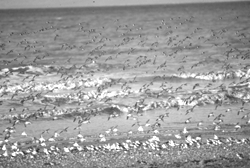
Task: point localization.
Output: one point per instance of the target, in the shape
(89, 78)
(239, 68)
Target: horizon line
(132, 5)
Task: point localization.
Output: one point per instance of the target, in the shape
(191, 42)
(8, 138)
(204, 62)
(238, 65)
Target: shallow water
(70, 61)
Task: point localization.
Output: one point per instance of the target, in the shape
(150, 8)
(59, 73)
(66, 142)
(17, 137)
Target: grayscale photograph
(125, 83)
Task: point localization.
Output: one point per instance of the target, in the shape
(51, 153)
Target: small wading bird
(188, 120)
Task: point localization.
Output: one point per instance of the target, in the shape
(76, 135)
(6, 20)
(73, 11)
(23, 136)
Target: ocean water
(101, 64)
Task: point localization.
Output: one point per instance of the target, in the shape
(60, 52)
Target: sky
(13, 4)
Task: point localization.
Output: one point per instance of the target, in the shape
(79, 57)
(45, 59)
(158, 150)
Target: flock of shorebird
(31, 88)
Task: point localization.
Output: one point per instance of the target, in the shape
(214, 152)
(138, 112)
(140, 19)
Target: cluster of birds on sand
(47, 147)
(80, 78)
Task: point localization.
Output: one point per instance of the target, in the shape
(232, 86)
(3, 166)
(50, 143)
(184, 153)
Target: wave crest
(220, 75)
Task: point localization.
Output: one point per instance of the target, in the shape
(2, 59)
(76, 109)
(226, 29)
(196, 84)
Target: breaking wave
(220, 75)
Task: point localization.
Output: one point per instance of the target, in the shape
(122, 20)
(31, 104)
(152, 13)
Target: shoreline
(136, 153)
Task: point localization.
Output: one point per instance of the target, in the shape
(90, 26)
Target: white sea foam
(220, 75)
